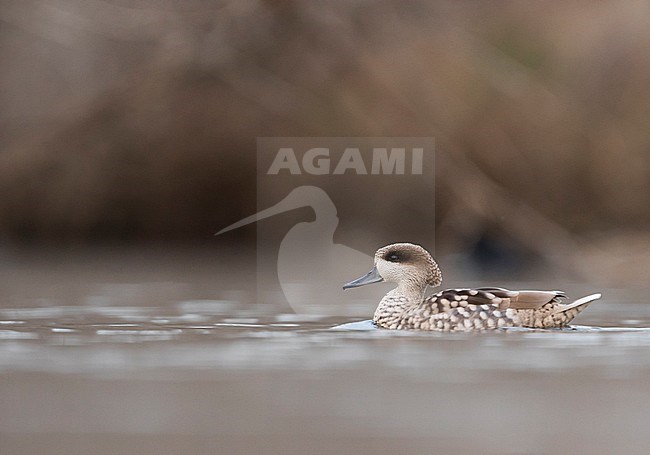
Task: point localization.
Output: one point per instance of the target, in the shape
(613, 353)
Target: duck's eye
(393, 257)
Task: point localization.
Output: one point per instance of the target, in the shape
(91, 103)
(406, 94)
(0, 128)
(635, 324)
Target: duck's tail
(563, 314)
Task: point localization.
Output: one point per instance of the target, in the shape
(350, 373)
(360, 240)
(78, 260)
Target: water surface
(194, 374)
(186, 378)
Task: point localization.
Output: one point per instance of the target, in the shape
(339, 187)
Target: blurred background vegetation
(135, 121)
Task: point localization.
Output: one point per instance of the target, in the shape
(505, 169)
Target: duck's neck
(406, 296)
(413, 291)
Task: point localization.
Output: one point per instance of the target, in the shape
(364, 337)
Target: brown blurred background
(135, 121)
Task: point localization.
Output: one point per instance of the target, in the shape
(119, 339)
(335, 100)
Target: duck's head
(405, 264)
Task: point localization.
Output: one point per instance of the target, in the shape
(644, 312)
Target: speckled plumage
(412, 268)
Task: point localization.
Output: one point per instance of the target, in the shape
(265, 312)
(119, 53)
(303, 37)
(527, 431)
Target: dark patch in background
(136, 122)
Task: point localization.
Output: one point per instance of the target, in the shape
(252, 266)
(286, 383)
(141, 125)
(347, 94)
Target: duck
(412, 269)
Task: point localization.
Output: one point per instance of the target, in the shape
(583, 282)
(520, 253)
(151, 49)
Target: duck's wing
(525, 299)
(500, 297)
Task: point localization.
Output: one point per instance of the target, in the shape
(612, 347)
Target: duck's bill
(369, 278)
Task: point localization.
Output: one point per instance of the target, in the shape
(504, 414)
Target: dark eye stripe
(393, 257)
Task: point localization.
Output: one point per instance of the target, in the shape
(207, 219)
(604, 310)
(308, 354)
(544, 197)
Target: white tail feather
(582, 301)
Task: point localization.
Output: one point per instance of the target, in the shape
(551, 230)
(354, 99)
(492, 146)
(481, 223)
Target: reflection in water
(209, 373)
